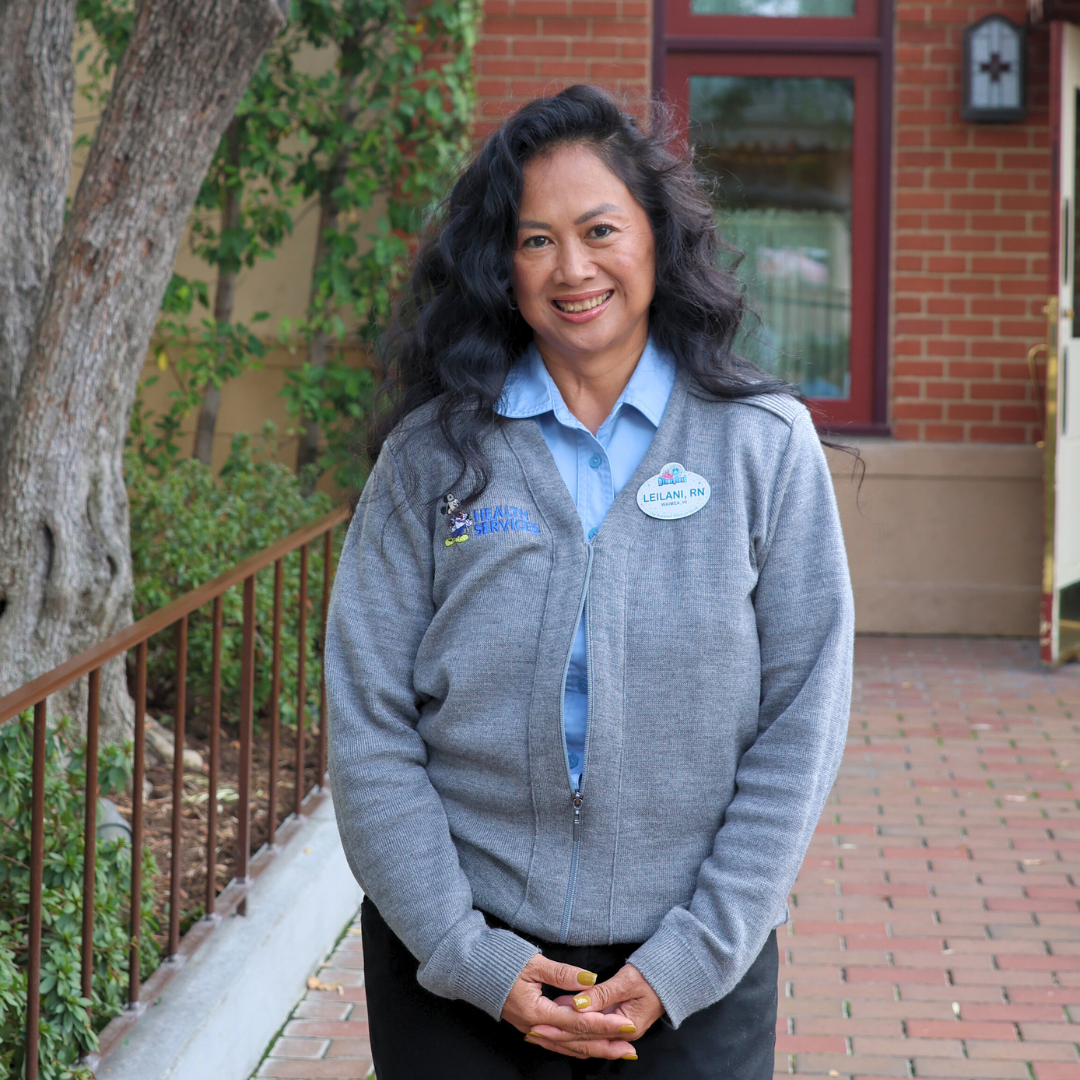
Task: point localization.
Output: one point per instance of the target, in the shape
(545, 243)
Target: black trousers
(416, 1035)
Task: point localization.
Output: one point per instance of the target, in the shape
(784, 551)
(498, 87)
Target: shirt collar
(530, 390)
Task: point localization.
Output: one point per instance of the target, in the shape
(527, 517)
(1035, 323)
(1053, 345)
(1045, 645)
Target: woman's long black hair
(457, 330)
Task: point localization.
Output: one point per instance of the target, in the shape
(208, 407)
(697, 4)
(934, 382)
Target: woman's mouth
(581, 307)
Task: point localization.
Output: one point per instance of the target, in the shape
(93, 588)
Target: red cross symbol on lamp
(995, 67)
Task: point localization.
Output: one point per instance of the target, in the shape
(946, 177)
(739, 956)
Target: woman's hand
(570, 1025)
(626, 995)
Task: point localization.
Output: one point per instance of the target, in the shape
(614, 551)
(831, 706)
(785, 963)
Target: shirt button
(573, 759)
(596, 461)
(592, 533)
(583, 686)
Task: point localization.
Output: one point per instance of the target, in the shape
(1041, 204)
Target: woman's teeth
(582, 305)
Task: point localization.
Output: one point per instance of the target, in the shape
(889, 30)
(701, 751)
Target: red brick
(1056, 1070)
(945, 432)
(970, 412)
(539, 47)
(913, 411)
(818, 1044)
(944, 390)
(540, 7)
(916, 368)
(960, 1029)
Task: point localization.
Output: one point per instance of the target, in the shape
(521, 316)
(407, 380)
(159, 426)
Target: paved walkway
(935, 926)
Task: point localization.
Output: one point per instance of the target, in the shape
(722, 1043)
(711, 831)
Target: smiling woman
(584, 276)
(588, 660)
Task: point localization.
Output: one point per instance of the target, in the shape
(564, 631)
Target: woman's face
(585, 264)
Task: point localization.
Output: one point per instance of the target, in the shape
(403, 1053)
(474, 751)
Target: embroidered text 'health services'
(493, 519)
(673, 493)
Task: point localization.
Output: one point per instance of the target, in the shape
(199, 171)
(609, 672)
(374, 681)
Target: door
(1060, 623)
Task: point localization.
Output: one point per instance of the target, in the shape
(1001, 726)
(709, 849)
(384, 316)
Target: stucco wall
(943, 538)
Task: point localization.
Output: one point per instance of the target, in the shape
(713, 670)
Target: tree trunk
(318, 346)
(307, 449)
(36, 88)
(65, 563)
(224, 298)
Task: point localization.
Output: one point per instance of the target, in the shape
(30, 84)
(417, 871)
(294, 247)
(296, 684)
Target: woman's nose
(574, 264)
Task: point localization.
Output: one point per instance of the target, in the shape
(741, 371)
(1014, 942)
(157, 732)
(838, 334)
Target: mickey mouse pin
(458, 521)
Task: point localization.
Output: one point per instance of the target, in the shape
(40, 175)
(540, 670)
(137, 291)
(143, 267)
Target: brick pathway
(327, 1034)
(935, 926)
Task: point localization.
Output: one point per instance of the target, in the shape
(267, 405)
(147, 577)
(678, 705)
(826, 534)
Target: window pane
(779, 151)
(779, 9)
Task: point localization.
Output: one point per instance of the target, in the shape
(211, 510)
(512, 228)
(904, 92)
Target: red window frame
(863, 24)
(858, 47)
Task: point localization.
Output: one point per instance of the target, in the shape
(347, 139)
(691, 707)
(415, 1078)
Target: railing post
(37, 869)
(328, 570)
(90, 832)
(301, 671)
(215, 743)
(247, 695)
(275, 706)
(175, 868)
(134, 977)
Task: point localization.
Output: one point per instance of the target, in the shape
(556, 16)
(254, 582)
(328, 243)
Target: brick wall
(970, 238)
(970, 200)
(532, 47)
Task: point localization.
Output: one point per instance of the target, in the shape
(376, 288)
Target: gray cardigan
(720, 657)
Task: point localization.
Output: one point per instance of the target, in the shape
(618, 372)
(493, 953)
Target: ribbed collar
(531, 391)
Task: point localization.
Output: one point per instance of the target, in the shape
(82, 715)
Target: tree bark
(224, 299)
(36, 88)
(65, 564)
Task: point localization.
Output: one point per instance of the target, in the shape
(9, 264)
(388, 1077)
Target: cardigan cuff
(669, 962)
(477, 964)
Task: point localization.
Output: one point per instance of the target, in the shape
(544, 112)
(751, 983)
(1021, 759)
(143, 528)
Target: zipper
(577, 797)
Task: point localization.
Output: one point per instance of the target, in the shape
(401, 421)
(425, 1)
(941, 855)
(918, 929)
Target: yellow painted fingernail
(586, 978)
(628, 1029)
(581, 1001)
(629, 1057)
(534, 1035)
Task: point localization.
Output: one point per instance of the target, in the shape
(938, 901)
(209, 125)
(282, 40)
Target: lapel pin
(457, 520)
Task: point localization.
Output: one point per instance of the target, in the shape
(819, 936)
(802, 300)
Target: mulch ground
(157, 815)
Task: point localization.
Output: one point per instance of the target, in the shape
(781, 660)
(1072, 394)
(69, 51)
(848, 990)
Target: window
(783, 101)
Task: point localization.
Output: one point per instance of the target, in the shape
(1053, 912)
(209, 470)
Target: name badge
(673, 493)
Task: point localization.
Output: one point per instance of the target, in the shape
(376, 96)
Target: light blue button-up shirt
(595, 468)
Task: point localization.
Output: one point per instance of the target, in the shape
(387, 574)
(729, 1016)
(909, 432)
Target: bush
(68, 1029)
(186, 528)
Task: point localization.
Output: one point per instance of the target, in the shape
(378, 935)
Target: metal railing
(35, 695)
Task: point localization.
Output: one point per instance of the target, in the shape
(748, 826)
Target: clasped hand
(591, 1022)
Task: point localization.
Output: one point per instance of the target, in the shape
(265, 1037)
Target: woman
(589, 652)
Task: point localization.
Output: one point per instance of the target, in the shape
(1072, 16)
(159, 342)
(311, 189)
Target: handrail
(29, 694)
(35, 695)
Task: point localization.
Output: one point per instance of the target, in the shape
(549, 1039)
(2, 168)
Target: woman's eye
(601, 232)
(535, 242)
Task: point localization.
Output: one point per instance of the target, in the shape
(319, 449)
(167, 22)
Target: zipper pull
(578, 800)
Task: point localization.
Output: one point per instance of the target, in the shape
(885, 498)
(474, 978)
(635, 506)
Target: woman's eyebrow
(603, 208)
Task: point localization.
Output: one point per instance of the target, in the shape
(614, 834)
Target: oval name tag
(673, 493)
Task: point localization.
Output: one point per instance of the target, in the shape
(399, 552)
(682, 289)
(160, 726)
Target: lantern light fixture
(995, 71)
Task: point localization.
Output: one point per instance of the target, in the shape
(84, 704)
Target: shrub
(68, 1030)
(186, 528)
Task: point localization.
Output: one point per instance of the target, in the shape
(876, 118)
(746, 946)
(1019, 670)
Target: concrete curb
(217, 1016)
